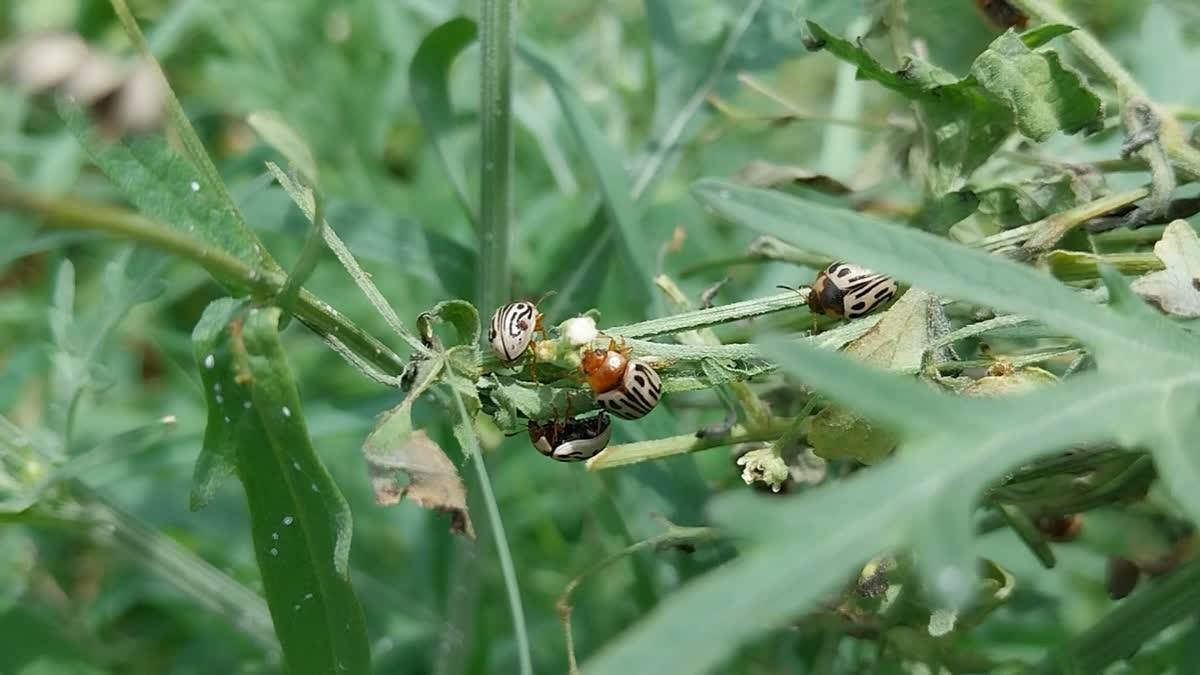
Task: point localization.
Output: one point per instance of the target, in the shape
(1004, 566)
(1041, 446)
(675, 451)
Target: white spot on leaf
(195, 186)
(287, 412)
(288, 520)
(210, 361)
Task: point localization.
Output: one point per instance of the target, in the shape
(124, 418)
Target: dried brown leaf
(434, 482)
(1174, 290)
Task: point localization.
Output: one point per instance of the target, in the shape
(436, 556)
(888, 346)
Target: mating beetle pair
(628, 388)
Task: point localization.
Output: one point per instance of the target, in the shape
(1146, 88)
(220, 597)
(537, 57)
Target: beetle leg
(533, 363)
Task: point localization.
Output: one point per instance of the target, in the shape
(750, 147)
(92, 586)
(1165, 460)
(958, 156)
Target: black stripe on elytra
(519, 313)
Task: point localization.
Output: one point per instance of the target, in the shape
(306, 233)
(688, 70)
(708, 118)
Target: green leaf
(606, 163)
(939, 215)
(299, 520)
(943, 267)
(169, 189)
(1043, 94)
(962, 123)
(429, 87)
(818, 537)
(895, 400)
(463, 316)
(223, 221)
(897, 342)
(210, 344)
(1016, 203)
(1036, 37)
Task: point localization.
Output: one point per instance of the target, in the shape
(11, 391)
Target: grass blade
(606, 163)
(578, 279)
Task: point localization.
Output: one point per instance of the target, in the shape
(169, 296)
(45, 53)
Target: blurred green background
(338, 71)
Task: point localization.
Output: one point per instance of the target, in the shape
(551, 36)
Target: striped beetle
(571, 440)
(627, 388)
(512, 328)
(843, 290)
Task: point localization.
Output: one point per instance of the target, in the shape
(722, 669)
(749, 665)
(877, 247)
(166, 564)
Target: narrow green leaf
(819, 536)
(1043, 94)
(300, 521)
(273, 129)
(167, 188)
(584, 261)
(614, 181)
(211, 347)
(579, 276)
(288, 142)
(869, 68)
(62, 309)
(943, 267)
(429, 87)
(1040, 35)
(224, 221)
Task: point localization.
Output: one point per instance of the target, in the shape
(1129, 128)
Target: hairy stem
(642, 451)
(79, 214)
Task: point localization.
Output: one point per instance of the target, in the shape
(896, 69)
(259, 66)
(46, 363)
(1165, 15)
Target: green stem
(795, 111)
(497, 34)
(305, 199)
(1082, 266)
(507, 569)
(78, 214)
(673, 537)
(643, 451)
(306, 262)
(710, 317)
(1048, 231)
